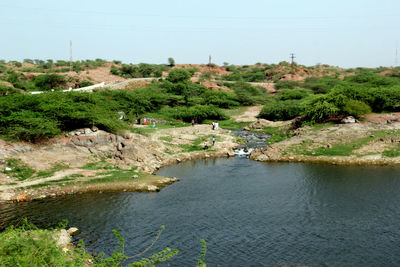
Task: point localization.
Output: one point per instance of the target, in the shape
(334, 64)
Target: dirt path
(57, 176)
(249, 114)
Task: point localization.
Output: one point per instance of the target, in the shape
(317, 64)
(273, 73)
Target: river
(249, 213)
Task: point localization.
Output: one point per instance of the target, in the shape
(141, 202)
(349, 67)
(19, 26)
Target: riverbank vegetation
(329, 98)
(331, 94)
(28, 245)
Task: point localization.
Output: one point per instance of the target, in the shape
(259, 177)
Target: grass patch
(52, 170)
(231, 124)
(166, 138)
(392, 153)
(277, 134)
(19, 170)
(115, 175)
(98, 165)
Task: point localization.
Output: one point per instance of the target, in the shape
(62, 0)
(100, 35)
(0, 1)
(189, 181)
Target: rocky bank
(146, 151)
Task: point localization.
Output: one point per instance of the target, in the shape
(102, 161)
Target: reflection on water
(249, 213)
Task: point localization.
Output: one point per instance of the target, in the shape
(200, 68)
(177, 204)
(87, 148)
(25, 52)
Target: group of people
(215, 125)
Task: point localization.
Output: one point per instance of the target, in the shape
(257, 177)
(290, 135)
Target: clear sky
(346, 33)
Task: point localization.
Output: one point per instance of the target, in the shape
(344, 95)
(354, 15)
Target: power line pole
(209, 60)
(70, 54)
(292, 64)
(396, 59)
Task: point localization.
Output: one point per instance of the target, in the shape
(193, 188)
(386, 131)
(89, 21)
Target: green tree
(171, 62)
(178, 75)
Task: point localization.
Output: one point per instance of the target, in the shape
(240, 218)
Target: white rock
(62, 238)
(73, 231)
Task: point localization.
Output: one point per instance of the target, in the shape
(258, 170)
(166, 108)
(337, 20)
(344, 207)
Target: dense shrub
(320, 110)
(282, 110)
(6, 90)
(293, 94)
(220, 99)
(356, 108)
(199, 113)
(178, 75)
(247, 94)
(49, 81)
(32, 117)
(321, 85)
(30, 126)
(285, 84)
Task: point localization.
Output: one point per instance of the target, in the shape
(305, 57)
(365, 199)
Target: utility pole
(396, 59)
(292, 64)
(70, 53)
(209, 60)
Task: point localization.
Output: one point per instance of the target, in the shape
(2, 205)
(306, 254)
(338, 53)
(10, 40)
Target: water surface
(249, 213)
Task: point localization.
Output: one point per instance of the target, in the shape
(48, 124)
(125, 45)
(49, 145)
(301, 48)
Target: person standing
(144, 121)
(213, 140)
(192, 122)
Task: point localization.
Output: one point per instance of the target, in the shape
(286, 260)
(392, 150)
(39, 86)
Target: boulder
(63, 239)
(348, 120)
(73, 231)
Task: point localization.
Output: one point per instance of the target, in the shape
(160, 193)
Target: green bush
(30, 126)
(321, 85)
(178, 75)
(282, 110)
(320, 110)
(6, 90)
(47, 82)
(356, 108)
(199, 113)
(293, 94)
(285, 84)
(220, 99)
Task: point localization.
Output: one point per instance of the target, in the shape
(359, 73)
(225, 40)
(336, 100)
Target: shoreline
(131, 151)
(333, 160)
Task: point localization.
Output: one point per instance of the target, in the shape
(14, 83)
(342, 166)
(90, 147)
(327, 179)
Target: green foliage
(118, 258)
(201, 260)
(277, 134)
(321, 85)
(178, 75)
(28, 245)
(171, 62)
(142, 70)
(49, 81)
(285, 84)
(220, 99)
(85, 83)
(199, 113)
(319, 110)
(193, 70)
(293, 94)
(356, 108)
(247, 94)
(6, 90)
(33, 117)
(282, 110)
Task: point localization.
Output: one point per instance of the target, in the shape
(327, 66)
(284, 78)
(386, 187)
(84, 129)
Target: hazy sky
(346, 33)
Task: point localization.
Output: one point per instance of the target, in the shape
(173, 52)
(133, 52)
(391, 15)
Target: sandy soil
(250, 114)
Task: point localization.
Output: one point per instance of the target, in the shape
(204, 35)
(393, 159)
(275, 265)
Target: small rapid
(252, 140)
